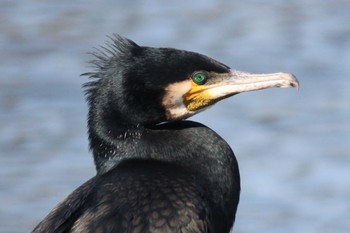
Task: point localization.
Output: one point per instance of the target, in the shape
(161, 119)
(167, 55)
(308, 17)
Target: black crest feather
(115, 48)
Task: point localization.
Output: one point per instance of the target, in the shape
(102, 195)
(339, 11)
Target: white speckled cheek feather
(173, 101)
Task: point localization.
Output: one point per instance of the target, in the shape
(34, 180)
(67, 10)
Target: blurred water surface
(293, 147)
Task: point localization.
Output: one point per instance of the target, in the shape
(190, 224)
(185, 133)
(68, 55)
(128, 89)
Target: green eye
(199, 78)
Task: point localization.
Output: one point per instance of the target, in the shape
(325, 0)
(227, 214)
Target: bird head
(145, 85)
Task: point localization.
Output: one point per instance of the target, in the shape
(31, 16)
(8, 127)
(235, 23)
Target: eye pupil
(199, 78)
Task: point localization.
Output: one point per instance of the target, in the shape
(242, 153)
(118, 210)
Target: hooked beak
(237, 82)
(223, 85)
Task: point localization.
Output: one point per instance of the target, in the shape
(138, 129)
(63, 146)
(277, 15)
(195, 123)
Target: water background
(293, 147)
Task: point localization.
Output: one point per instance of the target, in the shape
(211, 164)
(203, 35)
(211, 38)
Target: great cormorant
(157, 172)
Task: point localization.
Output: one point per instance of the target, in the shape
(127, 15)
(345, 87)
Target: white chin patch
(179, 113)
(173, 101)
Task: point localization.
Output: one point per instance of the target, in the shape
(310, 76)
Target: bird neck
(111, 139)
(184, 144)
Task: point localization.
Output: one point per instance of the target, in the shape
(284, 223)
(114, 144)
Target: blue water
(293, 147)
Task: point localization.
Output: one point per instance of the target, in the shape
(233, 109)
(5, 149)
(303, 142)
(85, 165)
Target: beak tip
(292, 80)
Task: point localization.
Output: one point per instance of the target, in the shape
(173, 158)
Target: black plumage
(155, 171)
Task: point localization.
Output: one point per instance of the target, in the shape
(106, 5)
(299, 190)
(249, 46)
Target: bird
(156, 171)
